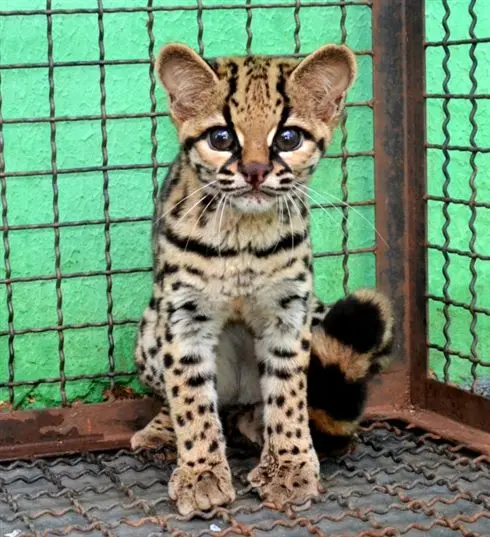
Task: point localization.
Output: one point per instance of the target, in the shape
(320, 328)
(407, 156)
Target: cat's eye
(288, 139)
(221, 139)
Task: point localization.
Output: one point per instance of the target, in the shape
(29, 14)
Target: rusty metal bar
(57, 431)
(399, 215)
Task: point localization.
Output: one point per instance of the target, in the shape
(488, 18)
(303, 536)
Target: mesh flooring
(398, 481)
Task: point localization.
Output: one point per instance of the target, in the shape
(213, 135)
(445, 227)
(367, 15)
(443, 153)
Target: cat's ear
(322, 79)
(188, 79)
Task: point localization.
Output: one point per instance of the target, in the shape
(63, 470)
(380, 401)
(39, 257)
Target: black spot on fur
(190, 359)
(180, 421)
(305, 344)
(194, 271)
(280, 400)
(188, 444)
(189, 306)
(168, 268)
(282, 374)
(202, 409)
(198, 380)
(201, 318)
(283, 353)
(355, 323)
(213, 446)
(168, 335)
(168, 360)
(175, 391)
(286, 301)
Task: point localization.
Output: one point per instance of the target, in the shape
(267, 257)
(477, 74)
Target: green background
(27, 149)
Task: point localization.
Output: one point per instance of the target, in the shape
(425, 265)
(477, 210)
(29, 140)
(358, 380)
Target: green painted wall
(25, 93)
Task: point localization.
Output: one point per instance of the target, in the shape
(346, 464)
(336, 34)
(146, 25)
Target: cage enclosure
(85, 140)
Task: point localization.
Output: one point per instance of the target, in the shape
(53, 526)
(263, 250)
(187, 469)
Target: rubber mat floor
(398, 481)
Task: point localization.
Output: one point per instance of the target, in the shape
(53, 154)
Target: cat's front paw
(202, 487)
(282, 480)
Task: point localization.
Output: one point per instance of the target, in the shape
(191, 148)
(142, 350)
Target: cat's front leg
(289, 469)
(192, 324)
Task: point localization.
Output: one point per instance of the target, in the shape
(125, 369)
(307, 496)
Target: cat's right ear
(188, 79)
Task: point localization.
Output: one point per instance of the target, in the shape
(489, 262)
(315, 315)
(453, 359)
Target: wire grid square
(458, 123)
(87, 138)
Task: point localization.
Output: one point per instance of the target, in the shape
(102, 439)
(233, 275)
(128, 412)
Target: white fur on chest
(238, 375)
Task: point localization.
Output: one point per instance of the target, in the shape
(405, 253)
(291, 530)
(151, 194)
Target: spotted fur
(230, 319)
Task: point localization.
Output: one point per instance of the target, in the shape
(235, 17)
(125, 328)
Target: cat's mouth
(253, 201)
(256, 193)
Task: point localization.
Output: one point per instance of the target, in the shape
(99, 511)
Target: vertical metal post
(398, 67)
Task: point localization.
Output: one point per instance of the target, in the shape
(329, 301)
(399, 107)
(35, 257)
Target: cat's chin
(253, 203)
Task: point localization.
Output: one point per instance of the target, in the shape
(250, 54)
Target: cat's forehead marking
(256, 94)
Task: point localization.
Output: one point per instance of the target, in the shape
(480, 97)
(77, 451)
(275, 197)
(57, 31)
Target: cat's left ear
(322, 79)
(190, 82)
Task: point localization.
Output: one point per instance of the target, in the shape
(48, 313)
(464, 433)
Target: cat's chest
(239, 277)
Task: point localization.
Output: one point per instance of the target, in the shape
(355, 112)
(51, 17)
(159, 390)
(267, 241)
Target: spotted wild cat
(231, 315)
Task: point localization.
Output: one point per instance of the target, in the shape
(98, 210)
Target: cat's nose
(255, 172)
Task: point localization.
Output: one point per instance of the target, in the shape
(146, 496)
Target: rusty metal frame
(405, 392)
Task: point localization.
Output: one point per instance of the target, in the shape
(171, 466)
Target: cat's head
(255, 127)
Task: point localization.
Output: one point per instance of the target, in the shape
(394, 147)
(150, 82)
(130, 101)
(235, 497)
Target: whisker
(195, 205)
(198, 219)
(185, 199)
(291, 225)
(290, 197)
(356, 211)
(225, 198)
(310, 197)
